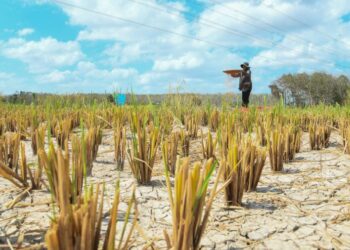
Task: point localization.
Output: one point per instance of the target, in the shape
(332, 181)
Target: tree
(303, 89)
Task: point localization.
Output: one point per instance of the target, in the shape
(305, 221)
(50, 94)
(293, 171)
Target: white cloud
(99, 27)
(152, 59)
(53, 77)
(43, 55)
(5, 76)
(187, 61)
(25, 32)
(87, 77)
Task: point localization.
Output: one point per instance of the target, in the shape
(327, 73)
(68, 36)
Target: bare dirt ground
(307, 206)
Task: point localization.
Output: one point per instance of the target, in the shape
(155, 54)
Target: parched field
(304, 206)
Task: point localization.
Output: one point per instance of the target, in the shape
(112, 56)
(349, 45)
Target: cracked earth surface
(307, 206)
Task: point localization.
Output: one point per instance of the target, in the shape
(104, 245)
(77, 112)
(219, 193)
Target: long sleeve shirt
(245, 80)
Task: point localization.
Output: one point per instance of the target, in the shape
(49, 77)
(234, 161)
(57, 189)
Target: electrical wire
(156, 28)
(223, 28)
(293, 37)
(301, 22)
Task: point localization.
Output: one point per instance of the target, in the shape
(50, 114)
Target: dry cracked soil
(306, 206)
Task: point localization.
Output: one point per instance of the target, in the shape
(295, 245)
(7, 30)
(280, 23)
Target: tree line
(311, 89)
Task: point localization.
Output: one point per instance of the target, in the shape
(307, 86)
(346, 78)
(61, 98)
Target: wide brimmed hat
(246, 65)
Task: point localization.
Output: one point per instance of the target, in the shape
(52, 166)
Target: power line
(140, 24)
(143, 24)
(148, 26)
(222, 27)
(301, 22)
(330, 50)
(207, 22)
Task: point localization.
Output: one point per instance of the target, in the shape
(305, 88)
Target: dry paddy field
(306, 206)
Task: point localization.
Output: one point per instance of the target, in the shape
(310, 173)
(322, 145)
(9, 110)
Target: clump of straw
(62, 131)
(189, 203)
(24, 175)
(233, 175)
(214, 120)
(9, 150)
(120, 146)
(320, 134)
(292, 143)
(169, 151)
(184, 143)
(191, 125)
(38, 138)
(208, 146)
(143, 154)
(276, 146)
(253, 161)
(79, 226)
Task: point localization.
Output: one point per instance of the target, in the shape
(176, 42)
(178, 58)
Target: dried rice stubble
(78, 226)
(233, 174)
(253, 163)
(38, 138)
(145, 142)
(170, 151)
(190, 204)
(319, 133)
(10, 149)
(208, 146)
(276, 145)
(185, 141)
(120, 146)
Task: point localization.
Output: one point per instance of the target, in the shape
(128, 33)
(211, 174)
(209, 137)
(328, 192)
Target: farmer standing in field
(245, 83)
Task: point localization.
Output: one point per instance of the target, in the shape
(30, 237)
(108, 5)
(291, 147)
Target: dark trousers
(245, 98)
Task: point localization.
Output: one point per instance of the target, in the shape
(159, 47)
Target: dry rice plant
(79, 166)
(166, 120)
(214, 120)
(62, 131)
(9, 150)
(320, 134)
(292, 143)
(35, 178)
(234, 175)
(92, 141)
(226, 134)
(191, 125)
(208, 146)
(346, 140)
(18, 179)
(276, 145)
(79, 226)
(189, 207)
(169, 151)
(2, 127)
(204, 118)
(21, 180)
(261, 131)
(120, 146)
(253, 162)
(143, 154)
(38, 138)
(184, 143)
(345, 131)
(56, 166)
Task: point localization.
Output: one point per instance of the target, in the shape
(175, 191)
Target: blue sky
(47, 46)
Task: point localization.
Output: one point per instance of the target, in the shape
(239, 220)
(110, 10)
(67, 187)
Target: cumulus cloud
(25, 32)
(187, 61)
(43, 55)
(87, 76)
(153, 59)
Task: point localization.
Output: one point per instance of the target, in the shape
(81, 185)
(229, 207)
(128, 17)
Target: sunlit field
(176, 175)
